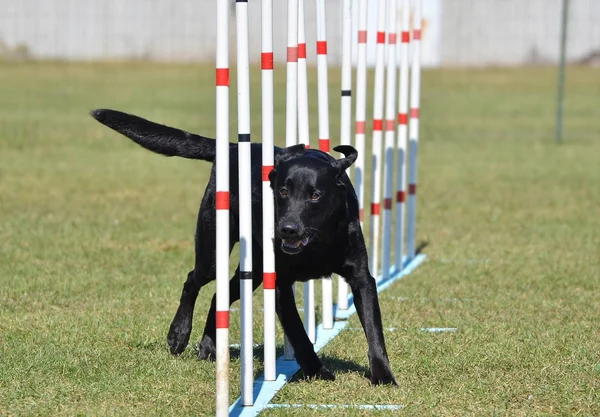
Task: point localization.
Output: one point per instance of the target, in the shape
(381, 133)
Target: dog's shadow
(334, 364)
(337, 366)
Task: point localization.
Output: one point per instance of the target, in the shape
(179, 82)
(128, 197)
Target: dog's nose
(288, 229)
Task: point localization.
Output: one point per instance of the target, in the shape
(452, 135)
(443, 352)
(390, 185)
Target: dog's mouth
(293, 246)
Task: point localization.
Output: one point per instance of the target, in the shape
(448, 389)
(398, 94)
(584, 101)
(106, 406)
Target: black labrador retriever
(317, 233)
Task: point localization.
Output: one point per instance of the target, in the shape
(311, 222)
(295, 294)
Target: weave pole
(403, 47)
(268, 214)
(414, 131)
(222, 209)
(323, 105)
(390, 131)
(245, 195)
(304, 137)
(377, 134)
(361, 108)
(346, 111)
(291, 106)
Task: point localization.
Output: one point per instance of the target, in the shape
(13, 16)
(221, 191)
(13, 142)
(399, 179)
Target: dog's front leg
(292, 326)
(364, 289)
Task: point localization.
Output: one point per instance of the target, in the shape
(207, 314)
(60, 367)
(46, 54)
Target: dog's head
(309, 191)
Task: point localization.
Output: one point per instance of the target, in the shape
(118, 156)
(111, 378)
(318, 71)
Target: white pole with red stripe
(245, 195)
(390, 130)
(267, 193)
(323, 105)
(304, 137)
(346, 111)
(361, 107)
(404, 36)
(377, 136)
(291, 106)
(222, 209)
(415, 90)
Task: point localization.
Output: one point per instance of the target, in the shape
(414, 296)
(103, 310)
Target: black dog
(317, 233)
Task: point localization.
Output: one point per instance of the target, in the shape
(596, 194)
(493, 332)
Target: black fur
(317, 233)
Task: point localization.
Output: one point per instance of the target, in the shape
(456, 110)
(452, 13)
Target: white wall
(457, 32)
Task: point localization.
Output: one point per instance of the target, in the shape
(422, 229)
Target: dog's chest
(291, 270)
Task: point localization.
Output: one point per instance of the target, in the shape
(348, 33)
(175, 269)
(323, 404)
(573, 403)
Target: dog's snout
(289, 228)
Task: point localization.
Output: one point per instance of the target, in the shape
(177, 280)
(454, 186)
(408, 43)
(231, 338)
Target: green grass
(96, 240)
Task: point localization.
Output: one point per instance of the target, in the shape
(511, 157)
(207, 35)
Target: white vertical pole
(291, 107)
(222, 209)
(390, 130)
(377, 134)
(346, 111)
(245, 195)
(404, 37)
(268, 202)
(414, 130)
(323, 102)
(361, 107)
(304, 137)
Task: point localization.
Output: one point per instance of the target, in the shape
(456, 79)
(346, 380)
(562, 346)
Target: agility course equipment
(403, 51)
(222, 208)
(304, 137)
(345, 112)
(245, 195)
(256, 395)
(268, 202)
(378, 93)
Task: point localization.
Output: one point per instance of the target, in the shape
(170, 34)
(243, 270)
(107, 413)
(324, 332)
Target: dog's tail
(158, 138)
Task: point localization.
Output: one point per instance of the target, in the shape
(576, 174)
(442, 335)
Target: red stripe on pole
(266, 59)
(405, 36)
(380, 37)
(387, 203)
(266, 170)
(292, 54)
(301, 51)
(400, 196)
(416, 34)
(403, 118)
(375, 209)
(222, 319)
(389, 125)
(361, 214)
(360, 128)
(414, 113)
(377, 124)
(362, 36)
(412, 189)
(392, 38)
(222, 77)
(324, 145)
(269, 280)
(321, 47)
(222, 200)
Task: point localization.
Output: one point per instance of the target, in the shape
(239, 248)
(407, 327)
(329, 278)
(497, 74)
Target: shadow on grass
(337, 366)
(421, 246)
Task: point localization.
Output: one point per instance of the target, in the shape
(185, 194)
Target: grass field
(96, 238)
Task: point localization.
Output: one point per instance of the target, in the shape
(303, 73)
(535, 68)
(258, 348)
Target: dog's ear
(344, 163)
(288, 153)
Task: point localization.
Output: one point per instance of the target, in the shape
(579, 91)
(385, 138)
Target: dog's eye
(315, 196)
(283, 192)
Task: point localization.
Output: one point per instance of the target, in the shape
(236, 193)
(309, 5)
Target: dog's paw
(207, 350)
(324, 374)
(382, 375)
(179, 336)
